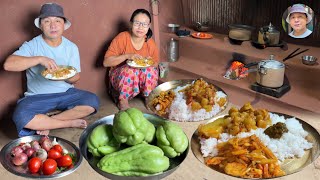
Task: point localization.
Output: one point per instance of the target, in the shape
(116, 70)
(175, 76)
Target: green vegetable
(139, 160)
(101, 141)
(131, 127)
(171, 139)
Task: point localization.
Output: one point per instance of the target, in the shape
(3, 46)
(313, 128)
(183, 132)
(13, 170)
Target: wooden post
(156, 29)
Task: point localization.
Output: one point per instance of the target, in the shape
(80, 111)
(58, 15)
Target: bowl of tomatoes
(40, 156)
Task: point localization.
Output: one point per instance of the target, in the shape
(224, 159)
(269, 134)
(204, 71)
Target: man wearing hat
(47, 51)
(298, 18)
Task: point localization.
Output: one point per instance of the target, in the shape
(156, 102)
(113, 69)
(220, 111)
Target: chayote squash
(171, 139)
(101, 141)
(131, 127)
(139, 160)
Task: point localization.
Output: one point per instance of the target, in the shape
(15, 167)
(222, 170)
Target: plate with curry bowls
(201, 35)
(23, 170)
(187, 100)
(93, 161)
(284, 147)
(63, 73)
(140, 63)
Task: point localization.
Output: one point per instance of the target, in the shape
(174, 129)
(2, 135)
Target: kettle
(173, 50)
(202, 27)
(268, 35)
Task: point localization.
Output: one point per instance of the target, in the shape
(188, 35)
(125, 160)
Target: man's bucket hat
(298, 8)
(51, 9)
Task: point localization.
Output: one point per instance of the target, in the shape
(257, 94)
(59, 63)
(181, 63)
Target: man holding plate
(47, 51)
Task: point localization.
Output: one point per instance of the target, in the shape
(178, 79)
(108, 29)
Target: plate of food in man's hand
(61, 74)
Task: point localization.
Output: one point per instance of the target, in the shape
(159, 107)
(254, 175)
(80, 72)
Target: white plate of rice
(296, 149)
(63, 73)
(179, 110)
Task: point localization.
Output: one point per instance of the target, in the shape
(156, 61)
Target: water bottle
(173, 50)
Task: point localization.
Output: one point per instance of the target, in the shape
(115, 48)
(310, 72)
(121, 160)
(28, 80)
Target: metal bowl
(309, 60)
(155, 120)
(6, 159)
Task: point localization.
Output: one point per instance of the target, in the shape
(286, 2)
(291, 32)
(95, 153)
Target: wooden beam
(156, 29)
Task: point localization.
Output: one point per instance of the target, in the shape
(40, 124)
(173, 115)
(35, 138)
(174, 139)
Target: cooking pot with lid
(270, 73)
(268, 35)
(202, 27)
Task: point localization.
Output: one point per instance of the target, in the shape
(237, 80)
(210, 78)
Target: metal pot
(240, 32)
(173, 27)
(202, 27)
(270, 73)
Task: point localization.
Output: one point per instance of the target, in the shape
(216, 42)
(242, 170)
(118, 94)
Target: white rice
(291, 144)
(66, 76)
(208, 146)
(180, 111)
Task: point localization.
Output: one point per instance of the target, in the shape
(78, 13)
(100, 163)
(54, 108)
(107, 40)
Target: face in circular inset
(299, 21)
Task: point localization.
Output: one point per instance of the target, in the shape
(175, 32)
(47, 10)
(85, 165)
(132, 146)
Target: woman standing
(133, 44)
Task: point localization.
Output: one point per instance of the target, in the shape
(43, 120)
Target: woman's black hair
(143, 11)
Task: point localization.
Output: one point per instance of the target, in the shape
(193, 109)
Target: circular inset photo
(297, 21)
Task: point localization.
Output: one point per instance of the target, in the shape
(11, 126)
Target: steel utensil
(290, 165)
(171, 85)
(155, 120)
(291, 55)
(6, 158)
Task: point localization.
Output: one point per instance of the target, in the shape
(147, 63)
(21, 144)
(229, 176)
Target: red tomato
(58, 148)
(54, 154)
(71, 166)
(64, 161)
(34, 164)
(49, 166)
